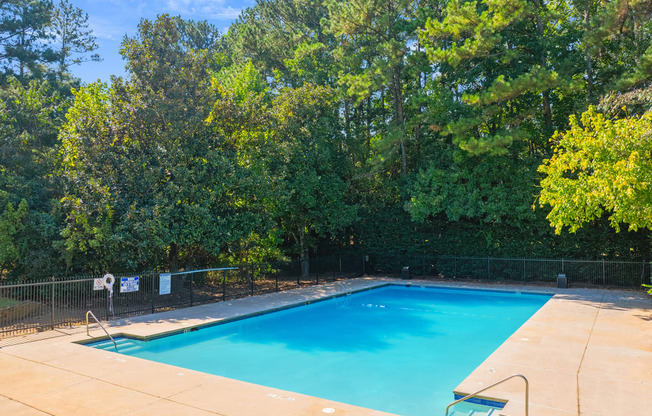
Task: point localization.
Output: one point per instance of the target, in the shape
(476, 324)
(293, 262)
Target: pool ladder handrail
(101, 326)
(344, 287)
(527, 392)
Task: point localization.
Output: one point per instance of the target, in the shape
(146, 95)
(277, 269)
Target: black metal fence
(579, 273)
(37, 305)
(53, 303)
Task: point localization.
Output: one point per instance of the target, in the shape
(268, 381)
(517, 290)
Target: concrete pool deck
(585, 352)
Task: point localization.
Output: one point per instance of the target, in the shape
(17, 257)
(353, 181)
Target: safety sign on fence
(128, 284)
(98, 284)
(165, 284)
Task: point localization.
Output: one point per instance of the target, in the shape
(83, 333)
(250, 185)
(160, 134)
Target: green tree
(72, 36)
(30, 117)
(24, 37)
(241, 112)
(374, 43)
(491, 189)
(311, 188)
(158, 182)
(285, 41)
(600, 166)
(503, 60)
(290, 143)
(11, 223)
(507, 76)
(617, 39)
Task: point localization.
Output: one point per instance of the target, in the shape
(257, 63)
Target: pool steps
(473, 396)
(473, 409)
(90, 313)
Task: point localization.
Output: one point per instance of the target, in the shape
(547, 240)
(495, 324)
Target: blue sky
(111, 20)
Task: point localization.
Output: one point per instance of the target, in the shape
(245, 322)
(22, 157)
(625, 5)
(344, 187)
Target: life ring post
(108, 281)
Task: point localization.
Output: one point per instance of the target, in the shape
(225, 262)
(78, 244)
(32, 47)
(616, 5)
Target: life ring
(108, 280)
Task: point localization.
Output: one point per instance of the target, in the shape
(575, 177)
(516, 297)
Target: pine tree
(24, 37)
(73, 37)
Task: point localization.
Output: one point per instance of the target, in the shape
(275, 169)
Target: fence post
(224, 284)
(317, 268)
(488, 271)
(604, 274)
(251, 279)
(524, 270)
(108, 301)
(153, 289)
(52, 300)
(192, 281)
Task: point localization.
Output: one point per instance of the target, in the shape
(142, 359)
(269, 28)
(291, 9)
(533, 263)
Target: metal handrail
(101, 326)
(527, 392)
(344, 287)
(203, 270)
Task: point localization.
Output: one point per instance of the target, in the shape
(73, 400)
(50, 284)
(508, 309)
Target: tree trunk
(589, 62)
(417, 139)
(383, 117)
(547, 111)
(400, 120)
(417, 129)
(368, 121)
(62, 58)
(347, 120)
(21, 63)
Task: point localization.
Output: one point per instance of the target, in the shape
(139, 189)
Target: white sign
(165, 284)
(98, 284)
(128, 284)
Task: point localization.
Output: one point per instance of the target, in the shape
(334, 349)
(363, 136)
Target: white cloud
(106, 29)
(227, 13)
(203, 9)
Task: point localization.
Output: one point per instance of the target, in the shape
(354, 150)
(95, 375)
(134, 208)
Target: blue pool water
(397, 349)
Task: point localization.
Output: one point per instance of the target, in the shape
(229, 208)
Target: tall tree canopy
(329, 125)
(30, 118)
(158, 183)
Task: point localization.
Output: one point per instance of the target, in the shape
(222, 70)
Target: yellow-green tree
(600, 166)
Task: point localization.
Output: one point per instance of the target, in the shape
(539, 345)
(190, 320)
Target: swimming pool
(397, 349)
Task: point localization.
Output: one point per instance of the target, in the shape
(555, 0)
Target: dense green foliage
(600, 165)
(442, 127)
